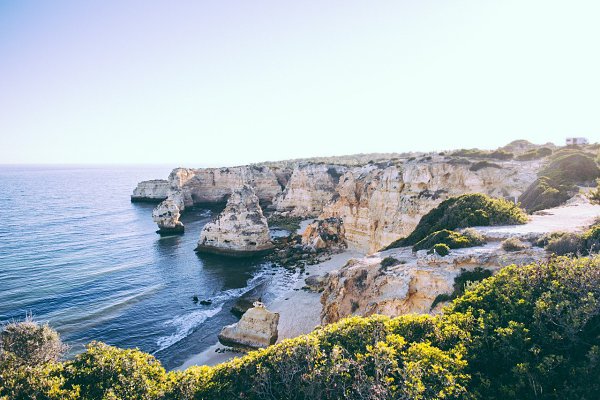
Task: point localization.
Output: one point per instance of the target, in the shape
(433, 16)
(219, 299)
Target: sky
(206, 83)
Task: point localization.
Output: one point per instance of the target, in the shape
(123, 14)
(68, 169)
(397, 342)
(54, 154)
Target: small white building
(576, 140)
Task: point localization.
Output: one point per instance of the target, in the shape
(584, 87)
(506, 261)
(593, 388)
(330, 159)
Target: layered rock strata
(154, 190)
(240, 230)
(257, 328)
(411, 283)
(309, 189)
(166, 216)
(382, 203)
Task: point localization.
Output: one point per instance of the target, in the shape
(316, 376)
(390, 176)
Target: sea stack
(240, 230)
(257, 328)
(166, 215)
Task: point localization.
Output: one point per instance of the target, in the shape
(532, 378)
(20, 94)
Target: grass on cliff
(559, 180)
(529, 332)
(452, 239)
(464, 211)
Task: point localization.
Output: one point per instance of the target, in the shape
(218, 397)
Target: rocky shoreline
(358, 209)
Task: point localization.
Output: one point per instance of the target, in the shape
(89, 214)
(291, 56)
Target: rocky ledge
(152, 191)
(396, 282)
(257, 328)
(240, 230)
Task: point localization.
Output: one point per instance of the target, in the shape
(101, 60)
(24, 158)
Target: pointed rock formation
(257, 328)
(240, 230)
(166, 215)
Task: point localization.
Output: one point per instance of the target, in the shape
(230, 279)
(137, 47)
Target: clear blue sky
(229, 82)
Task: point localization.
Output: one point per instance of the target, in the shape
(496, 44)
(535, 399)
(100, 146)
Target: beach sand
(299, 311)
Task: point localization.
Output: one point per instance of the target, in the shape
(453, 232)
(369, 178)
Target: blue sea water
(75, 252)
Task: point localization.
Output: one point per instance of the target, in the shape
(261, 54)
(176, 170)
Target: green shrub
(106, 372)
(594, 195)
(534, 154)
(454, 240)
(440, 249)
(536, 331)
(529, 332)
(31, 343)
(558, 181)
(476, 153)
(564, 243)
(464, 211)
(572, 244)
(483, 164)
(462, 280)
(513, 244)
(388, 262)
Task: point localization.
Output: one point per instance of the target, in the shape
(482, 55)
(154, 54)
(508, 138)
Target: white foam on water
(185, 324)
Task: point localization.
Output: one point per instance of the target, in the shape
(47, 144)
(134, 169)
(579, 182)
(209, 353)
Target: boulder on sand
(257, 328)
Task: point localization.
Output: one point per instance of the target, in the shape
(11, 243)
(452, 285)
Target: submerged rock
(166, 215)
(257, 328)
(240, 230)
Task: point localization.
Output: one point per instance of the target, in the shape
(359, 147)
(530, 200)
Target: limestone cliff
(151, 191)
(257, 328)
(382, 203)
(411, 283)
(240, 230)
(310, 187)
(214, 185)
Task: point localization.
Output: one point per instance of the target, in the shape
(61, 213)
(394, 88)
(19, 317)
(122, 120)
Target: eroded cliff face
(214, 185)
(382, 203)
(411, 283)
(309, 189)
(151, 191)
(241, 229)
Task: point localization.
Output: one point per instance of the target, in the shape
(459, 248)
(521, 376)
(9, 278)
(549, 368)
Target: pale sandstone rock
(214, 185)
(240, 230)
(382, 204)
(325, 233)
(309, 188)
(151, 191)
(166, 215)
(364, 287)
(257, 328)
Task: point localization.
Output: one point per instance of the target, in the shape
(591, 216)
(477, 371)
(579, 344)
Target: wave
(185, 324)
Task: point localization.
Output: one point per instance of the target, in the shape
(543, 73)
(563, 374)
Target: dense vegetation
(462, 281)
(571, 243)
(530, 332)
(558, 181)
(535, 154)
(464, 211)
(452, 239)
(476, 153)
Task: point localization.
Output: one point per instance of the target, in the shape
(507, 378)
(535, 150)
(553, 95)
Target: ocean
(76, 253)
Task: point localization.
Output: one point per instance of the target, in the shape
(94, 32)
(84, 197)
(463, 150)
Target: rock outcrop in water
(257, 328)
(166, 215)
(240, 230)
(151, 191)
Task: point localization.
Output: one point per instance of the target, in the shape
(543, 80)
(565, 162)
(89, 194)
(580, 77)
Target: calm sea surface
(74, 251)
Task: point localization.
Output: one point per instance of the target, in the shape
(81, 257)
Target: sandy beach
(299, 311)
